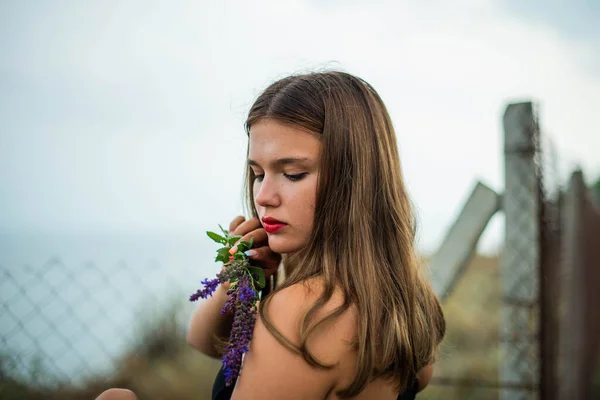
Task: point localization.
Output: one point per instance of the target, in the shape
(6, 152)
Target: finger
(259, 235)
(236, 222)
(247, 227)
(266, 258)
(267, 270)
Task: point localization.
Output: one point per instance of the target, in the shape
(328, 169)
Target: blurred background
(122, 142)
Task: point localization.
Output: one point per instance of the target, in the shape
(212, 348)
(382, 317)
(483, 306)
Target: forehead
(272, 139)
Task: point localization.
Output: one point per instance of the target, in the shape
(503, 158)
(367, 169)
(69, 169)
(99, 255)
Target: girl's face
(285, 161)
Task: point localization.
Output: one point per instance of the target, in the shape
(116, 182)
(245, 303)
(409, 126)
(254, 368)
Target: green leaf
(221, 258)
(223, 254)
(232, 239)
(251, 243)
(223, 251)
(239, 255)
(216, 238)
(226, 233)
(243, 246)
(233, 280)
(259, 275)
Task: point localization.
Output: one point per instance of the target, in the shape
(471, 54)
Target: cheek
(307, 204)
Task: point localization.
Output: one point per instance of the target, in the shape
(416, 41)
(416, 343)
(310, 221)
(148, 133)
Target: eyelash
(293, 178)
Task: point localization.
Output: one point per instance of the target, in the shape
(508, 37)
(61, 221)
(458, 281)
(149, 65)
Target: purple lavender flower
(245, 293)
(234, 269)
(229, 306)
(241, 302)
(232, 362)
(241, 331)
(209, 288)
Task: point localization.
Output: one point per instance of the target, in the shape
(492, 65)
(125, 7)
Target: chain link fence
(70, 332)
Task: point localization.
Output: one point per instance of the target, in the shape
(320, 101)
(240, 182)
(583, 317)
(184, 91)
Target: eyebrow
(282, 161)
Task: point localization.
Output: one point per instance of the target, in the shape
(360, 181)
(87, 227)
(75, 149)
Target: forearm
(207, 321)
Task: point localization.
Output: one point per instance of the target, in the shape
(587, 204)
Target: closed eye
(297, 177)
(293, 178)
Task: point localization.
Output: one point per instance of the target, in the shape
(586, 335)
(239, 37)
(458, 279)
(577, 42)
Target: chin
(284, 246)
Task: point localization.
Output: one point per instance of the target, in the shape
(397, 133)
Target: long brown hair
(364, 228)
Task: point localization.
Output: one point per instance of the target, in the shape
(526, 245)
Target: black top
(222, 392)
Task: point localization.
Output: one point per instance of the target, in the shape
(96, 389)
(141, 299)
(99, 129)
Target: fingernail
(250, 253)
(233, 250)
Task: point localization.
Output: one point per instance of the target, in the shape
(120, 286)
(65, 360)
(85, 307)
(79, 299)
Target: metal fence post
(520, 286)
(579, 333)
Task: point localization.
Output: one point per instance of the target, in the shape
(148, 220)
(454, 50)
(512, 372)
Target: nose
(266, 193)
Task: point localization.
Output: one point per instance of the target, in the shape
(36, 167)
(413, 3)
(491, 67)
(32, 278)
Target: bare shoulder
(287, 371)
(330, 340)
(305, 294)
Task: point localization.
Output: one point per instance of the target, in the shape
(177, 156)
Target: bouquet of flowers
(246, 280)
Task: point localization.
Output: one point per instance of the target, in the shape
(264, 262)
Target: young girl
(354, 316)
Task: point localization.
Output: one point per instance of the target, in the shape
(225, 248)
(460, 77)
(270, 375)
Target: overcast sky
(126, 116)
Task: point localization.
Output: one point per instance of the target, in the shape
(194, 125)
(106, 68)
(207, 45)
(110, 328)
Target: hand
(261, 253)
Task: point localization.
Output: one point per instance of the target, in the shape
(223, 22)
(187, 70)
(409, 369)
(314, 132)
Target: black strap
(220, 391)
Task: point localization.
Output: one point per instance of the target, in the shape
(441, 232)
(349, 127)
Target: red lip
(272, 225)
(271, 221)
